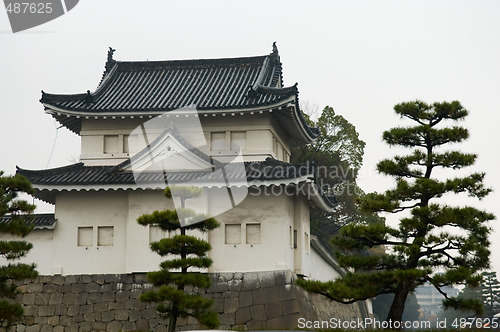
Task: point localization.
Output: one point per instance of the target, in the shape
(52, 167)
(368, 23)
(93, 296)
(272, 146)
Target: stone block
(85, 278)
(154, 322)
(56, 298)
(73, 310)
(58, 280)
(107, 316)
(46, 310)
(111, 278)
(243, 315)
(69, 299)
(77, 288)
(140, 278)
(122, 296)
(81, 298)
(98, 326)
(135, 315)
(231, 304)
(114, 326)
(42, 320)
(234, 285)
(28, 320)
(130, 303)
(45, 279)
(129, 326)
(290, 307)
(108, 296)
(46, 328)
(160, 328)
(94, 298)
(274, 323)
(86, 309)
(61, 309)
(89, 317)
(219, 287)
(58, 328)
(72, 328)
(238, 276)
(100, 279)
(116, 305)
(250, 281)
(65, 321)
(254, 325)
(31, 310)
(149, 313)
(71, 280)
(245, 298)
(33, 328)
(273, 310)
(34, 287)
(28, 298)
(64, 288)
(135, 293)
(108, 288)
(42, 299)
(291, 321)
(49, 288)
(227, 319)
(266, 279)
(53, 320)
(127, 278)
(258, 312)
(218, 305)
(92, 287)
(22, 289)
(142, 325)
(121, 314)
(85, 326)
(101, 307)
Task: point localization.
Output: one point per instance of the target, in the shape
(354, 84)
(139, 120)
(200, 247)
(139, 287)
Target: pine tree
(188, 252)
(436, 243)
(18, 224)
(490, 291)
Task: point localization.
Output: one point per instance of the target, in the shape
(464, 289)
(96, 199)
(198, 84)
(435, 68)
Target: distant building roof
(131, 88)
(40, 220)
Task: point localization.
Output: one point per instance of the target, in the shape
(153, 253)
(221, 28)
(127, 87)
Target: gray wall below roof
(248, 301)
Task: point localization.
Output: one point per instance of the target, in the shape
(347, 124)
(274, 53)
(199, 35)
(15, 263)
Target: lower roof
(39, 220)
(265, 173)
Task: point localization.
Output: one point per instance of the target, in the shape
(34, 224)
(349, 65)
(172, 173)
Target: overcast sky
(360, 57)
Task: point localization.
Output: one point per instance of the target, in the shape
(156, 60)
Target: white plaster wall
(321, 270)
(93, 209)
(41, 254)
(273, 253)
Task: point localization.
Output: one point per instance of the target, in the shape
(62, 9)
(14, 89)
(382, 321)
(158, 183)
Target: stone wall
(244, 301)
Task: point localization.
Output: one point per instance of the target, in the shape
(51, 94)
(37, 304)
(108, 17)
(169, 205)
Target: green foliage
(434, 242)
(337, 155)
(490, 293)
(175, 284)
(18, 225)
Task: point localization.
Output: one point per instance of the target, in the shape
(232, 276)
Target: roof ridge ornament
(110, 62)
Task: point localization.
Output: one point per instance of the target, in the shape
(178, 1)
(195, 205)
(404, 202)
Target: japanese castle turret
(226, 125)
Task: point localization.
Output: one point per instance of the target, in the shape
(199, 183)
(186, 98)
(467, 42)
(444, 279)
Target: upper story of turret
(241, 104)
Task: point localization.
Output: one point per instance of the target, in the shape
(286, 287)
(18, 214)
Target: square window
(253, 233)
(233, 233)
(218, 141)
(85, 236)
(110, 144)
(156, 233)
(130, 143)
(105, 235)
(238, 140)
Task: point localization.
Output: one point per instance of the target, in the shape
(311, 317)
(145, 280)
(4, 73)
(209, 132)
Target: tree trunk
(398, 304)
(173, 321)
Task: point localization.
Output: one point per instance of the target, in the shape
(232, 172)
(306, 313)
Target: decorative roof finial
(88, 98)
(275, 48)
(111, 62)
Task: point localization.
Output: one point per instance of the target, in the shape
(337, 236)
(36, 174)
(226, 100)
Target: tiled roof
(255, 173)
(40, 220)
(78, 174)
(153, 87)
(166, 85)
